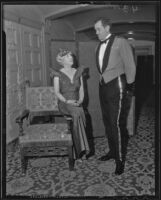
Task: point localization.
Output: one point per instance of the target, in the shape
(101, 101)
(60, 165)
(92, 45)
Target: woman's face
(68, 59)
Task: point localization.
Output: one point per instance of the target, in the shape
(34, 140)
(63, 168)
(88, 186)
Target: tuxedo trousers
(115, 105)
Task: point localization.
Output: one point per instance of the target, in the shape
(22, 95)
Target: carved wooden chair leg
(71, 158)
(69, 123)
(24, 162)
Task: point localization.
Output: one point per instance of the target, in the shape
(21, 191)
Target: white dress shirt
(102, 51)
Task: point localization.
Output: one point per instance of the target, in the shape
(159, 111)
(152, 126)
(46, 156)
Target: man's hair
(104, 21)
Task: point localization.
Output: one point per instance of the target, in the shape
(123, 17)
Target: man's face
(101, 31)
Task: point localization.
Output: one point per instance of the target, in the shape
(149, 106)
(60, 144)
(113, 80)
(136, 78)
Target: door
(144, 73)
(144, 81)
(32, 55)
(23, 62)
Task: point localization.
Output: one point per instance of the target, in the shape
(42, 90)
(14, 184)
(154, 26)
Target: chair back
(41, 99)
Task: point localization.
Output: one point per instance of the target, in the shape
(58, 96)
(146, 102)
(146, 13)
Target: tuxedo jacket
(119, 60)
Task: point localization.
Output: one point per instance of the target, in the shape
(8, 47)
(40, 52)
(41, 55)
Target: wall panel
(23, 61)
(32, 55)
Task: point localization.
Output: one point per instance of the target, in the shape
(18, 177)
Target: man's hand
(130, 87)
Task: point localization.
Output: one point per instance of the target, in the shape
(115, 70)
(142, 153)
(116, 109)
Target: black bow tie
(104, 41)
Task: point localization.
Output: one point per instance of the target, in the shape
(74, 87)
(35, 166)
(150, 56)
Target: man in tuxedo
(116, 66)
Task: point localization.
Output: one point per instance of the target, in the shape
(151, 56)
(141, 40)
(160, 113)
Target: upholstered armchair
(49, 139)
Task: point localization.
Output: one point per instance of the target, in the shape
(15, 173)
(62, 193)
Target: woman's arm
(81, 92)
(57, 90)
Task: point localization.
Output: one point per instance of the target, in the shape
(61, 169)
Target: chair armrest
(24, 115)
(60, 114)
(68, 119)
(69, 123)
(19, 120)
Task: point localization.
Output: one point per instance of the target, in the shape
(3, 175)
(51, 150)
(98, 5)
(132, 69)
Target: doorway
(144, 81)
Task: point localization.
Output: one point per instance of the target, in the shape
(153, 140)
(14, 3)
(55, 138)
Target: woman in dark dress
(68, 85)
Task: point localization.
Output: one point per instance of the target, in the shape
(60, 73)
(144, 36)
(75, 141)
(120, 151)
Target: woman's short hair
(61, 54)
(64, 52)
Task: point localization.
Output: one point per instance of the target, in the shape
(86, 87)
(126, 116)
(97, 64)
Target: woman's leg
(79, 134)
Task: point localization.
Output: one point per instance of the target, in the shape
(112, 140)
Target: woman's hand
(79, 102)
(73, 102)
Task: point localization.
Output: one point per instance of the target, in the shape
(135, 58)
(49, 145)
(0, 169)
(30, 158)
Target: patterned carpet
(50, 177)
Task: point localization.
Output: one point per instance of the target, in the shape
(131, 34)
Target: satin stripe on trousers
(115, 105)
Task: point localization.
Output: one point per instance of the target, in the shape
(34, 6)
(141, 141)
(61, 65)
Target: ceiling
(133, 22)
(137, 21)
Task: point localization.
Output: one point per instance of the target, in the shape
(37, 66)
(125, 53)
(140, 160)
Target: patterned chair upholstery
(40, 101)
(50, 139)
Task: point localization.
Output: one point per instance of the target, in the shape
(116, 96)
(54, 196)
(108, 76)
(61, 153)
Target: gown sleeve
(54, 73)
(80, 72)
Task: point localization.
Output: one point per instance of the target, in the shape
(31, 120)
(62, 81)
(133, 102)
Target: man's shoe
(119, 168)
(106, 157)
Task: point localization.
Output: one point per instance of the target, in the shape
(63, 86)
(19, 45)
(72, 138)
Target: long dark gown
(70, 90)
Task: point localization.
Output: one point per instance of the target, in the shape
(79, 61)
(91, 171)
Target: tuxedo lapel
(97, 58)
(107, 53)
